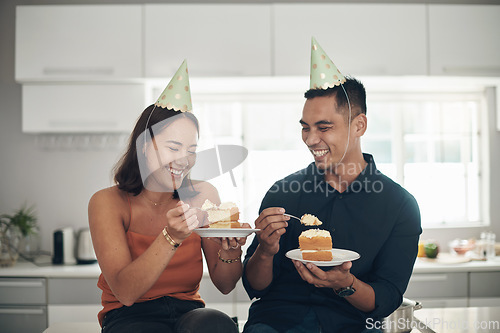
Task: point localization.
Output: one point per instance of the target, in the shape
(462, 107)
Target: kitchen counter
(460, 320)
(28, 269)
(452, 264)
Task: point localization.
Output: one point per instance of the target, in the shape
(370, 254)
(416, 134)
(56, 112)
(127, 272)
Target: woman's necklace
(153, 202)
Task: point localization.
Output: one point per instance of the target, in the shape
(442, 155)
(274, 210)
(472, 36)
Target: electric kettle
(84, 249)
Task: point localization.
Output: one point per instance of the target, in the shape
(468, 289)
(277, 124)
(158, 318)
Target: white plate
(339, 257)
(224, 232)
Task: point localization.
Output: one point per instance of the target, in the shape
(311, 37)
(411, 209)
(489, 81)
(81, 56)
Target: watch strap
(346, 291)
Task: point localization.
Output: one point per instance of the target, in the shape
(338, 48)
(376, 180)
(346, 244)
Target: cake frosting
(311, 233)
(309, 219)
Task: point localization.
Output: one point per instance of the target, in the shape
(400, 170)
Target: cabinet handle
(78, 71)
(82, 124)
(22, 284)
(22, 311)
(471, 70)
(429, 277)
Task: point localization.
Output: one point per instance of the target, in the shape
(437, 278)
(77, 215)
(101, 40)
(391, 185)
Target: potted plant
(13, 229)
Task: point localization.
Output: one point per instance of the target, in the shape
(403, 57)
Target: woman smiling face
(171, 154)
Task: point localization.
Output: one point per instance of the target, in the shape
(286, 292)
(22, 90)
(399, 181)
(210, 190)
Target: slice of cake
(226, 215)
(316, 245)
(309, 219)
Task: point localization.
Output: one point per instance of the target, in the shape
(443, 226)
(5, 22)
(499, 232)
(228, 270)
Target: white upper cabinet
(81, 108)
(464, 40)
(216, 39)
(78, 42)
(361, 39)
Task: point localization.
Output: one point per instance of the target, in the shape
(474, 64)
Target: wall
(60, 183)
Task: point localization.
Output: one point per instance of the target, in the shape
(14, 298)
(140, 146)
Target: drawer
(23, 291)
(437, 285)
(484, 284)
(23, 319)
(73, 291)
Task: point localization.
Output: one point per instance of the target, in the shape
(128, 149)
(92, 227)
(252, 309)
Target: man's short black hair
(355, 91)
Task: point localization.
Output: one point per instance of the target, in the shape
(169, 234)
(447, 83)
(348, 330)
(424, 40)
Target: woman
(150, 259)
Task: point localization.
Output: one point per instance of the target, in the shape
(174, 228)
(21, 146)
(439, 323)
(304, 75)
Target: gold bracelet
(228, 261)
(170, 240)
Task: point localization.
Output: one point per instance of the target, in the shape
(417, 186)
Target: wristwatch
(346, 291)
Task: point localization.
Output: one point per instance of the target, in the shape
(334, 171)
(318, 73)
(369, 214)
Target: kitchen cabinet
(455, 285)
(73, 300)
(437, 285)
(484, 289)
(463, 40)
(216, 39)
(361, 39)
(23, 306)
(85, 108)
(78, 42)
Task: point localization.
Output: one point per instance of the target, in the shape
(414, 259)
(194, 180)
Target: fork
(295, 217)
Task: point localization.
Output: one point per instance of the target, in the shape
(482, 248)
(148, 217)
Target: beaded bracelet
(228, 261)
(170, 240)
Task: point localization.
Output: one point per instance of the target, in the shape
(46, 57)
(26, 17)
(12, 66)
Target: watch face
(346, 292)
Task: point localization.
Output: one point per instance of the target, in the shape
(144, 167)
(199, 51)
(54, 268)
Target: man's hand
(272, 224)
(337, 277)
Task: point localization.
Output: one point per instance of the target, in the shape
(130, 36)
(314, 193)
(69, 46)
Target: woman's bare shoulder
(109, 196)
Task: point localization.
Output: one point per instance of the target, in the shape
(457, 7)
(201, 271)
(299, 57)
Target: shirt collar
(362, 182)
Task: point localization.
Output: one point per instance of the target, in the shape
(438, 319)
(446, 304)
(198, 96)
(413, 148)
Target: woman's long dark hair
(127, 172)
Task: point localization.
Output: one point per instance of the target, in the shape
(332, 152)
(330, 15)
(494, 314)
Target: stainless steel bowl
(401, 320)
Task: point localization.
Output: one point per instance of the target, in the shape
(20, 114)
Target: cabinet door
(23, 319)
(216, 39)
(437, 285)
(23, 291)
(78, 42)
(92, 108)
(361, 39)
(485, 284)
(464, 40)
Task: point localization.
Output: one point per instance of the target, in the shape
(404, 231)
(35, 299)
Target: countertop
(28, 269)
(450, 263)
(460, 320)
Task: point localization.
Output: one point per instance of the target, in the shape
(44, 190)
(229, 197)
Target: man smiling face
(326, 133)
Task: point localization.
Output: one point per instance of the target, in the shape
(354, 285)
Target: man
(364, 211)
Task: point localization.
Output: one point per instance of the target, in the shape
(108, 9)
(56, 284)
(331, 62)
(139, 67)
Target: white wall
(60, 183)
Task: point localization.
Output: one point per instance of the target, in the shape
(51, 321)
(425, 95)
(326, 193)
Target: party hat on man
(324, 73)
(177, 94)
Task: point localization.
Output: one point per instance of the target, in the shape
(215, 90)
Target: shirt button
(340, 196)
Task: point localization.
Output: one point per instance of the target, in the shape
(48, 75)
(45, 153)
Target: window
(429, 142)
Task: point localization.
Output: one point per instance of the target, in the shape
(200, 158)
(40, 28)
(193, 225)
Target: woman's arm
(224, 273)
(128, 279)
(223, 256)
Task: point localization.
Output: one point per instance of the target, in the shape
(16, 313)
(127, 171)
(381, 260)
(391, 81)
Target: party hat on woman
(177, 94)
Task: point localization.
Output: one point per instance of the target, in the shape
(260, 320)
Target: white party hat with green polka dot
(177, 94)
(324, 73)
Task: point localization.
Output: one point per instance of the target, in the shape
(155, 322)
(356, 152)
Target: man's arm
(339, 277)
(259, 268)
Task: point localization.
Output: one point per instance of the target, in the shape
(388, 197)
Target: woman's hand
(231, 243)
(181, 220)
